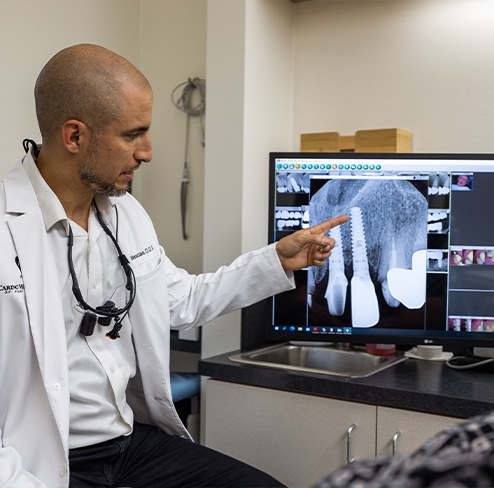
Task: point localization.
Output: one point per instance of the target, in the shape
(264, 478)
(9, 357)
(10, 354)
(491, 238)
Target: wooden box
(374, 140)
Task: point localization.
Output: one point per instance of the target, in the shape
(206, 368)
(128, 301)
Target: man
(88, 297)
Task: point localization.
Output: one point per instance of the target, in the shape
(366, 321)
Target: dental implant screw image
(365, 309)
(337, 282)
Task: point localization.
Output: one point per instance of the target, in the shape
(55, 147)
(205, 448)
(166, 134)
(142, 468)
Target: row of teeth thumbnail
(292, 218)
(469, 256)
(475, 324)
(437, 221)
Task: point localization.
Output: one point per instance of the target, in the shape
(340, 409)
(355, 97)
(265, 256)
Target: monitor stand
(429, 353)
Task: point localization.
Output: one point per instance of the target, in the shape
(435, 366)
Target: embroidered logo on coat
(16, 287)
(139, 254)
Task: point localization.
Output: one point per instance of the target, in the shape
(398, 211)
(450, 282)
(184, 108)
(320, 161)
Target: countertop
(425, 386)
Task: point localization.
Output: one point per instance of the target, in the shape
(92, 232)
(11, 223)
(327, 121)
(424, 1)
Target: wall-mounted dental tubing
(184, 104)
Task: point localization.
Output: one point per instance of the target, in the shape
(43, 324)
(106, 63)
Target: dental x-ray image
(437, 260)
(294, 182)
(438, 221)
(292, 218)
(377, 269)
(439, 184)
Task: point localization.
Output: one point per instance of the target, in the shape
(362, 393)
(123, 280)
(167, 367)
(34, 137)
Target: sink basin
(318, 359)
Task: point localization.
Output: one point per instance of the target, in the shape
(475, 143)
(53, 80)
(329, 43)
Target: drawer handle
(395, 442)
(349, 431)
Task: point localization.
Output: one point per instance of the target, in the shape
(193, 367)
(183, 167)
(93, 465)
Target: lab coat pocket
(144, 273)
(145, 270)
(152, 284)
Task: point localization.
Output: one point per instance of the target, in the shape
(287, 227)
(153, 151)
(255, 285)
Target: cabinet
(300, 438)
(405, 430)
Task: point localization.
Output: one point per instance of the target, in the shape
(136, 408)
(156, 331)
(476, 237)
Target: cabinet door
(410, 429)
(296, 438)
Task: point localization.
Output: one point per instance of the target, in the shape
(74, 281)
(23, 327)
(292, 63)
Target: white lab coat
(34, 393)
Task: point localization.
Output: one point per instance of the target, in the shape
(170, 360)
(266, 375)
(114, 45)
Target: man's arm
(308, 247)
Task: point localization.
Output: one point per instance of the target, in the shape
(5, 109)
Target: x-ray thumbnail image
(438, 221)
(379, 262)
(439, 184)
(292, 218)
(437, 260)
(293, 182)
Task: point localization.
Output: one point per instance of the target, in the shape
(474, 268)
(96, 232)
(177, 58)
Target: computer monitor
(414, 264)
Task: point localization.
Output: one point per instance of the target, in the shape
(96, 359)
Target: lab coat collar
(19, 193)
(51, 208)
(106, 205)
(38, 197)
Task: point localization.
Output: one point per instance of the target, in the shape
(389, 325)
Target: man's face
(111, 157)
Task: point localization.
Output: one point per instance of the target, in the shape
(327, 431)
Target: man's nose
(145, 150)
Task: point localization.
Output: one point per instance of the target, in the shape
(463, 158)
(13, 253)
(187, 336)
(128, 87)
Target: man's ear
(73, 133)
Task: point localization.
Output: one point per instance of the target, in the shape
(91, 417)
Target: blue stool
(185, 385)
(188, 386)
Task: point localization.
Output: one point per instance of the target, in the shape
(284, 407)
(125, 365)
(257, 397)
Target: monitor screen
(413, 265)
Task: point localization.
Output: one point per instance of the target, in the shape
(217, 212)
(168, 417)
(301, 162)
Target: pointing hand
(308, 247)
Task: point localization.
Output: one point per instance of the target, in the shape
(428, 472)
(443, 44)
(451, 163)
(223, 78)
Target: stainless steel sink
(318, 359)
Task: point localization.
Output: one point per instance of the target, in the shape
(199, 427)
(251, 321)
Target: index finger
(323, 227)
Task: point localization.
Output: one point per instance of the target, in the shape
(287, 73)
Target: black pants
(150, 458)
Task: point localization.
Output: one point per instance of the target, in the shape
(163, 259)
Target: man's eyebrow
(141, 128)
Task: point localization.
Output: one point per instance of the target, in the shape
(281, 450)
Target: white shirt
(99, 368)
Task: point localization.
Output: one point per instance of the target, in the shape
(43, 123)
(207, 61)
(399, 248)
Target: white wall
(268, 108)
(424, 66)
(31, 31)
(173, 49)
(223, 158)
(166, 40)
(249, 74)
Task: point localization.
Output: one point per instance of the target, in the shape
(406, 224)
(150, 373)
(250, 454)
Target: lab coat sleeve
(12, 475)
(197, 299)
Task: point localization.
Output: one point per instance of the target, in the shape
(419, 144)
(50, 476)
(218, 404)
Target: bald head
(83, 82)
